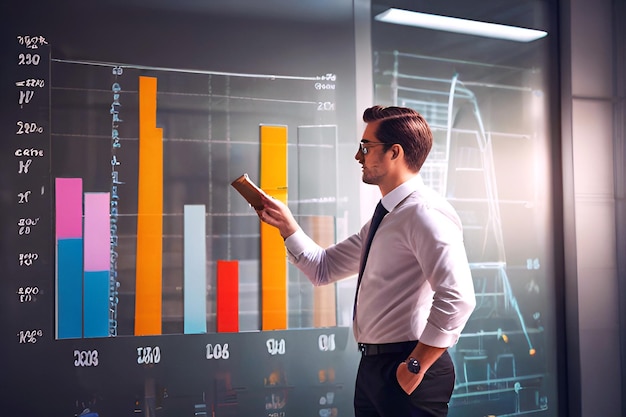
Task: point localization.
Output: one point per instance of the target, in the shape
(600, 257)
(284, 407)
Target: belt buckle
(368, 350)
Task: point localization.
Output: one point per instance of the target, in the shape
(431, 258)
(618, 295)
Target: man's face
(373, 162)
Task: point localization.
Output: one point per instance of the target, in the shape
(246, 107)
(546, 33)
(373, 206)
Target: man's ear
(395, 151)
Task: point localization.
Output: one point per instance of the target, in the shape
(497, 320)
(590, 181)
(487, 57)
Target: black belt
(368, 349)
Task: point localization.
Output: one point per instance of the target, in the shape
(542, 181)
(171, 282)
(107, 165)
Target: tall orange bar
(273, 256)
(149, 283)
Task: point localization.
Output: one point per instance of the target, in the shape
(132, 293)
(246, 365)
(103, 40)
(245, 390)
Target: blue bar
(96, 304)
(69, 288)
(194, 269)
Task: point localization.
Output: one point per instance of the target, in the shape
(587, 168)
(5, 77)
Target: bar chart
(139, 281)
(175, 250)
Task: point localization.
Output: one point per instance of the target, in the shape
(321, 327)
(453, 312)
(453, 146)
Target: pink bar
(97, 232)
(69, 208)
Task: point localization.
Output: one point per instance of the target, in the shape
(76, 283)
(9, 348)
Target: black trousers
(378, 394)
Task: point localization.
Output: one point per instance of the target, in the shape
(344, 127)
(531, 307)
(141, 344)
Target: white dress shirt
(417, 283)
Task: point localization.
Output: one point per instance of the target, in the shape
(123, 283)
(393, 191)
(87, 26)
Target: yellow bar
(149, 287)
(273, 256)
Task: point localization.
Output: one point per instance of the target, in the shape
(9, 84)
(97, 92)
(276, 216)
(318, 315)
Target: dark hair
(403, 126)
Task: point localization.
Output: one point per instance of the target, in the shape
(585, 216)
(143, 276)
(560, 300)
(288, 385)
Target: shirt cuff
(297, 243)
(433, 336)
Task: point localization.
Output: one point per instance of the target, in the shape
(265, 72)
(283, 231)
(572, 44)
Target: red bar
(227, 296)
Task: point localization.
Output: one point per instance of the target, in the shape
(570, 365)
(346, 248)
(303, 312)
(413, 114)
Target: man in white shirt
(415, 292)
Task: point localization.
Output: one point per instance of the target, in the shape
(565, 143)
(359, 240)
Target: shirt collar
(402, 191)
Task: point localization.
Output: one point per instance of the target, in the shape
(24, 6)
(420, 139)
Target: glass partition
(487, 100)
(140, 283)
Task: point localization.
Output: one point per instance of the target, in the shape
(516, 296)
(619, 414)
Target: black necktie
(379, 213)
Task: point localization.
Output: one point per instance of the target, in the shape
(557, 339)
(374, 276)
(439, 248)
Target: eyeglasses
(369, 144)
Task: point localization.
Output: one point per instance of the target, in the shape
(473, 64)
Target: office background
(529, 148)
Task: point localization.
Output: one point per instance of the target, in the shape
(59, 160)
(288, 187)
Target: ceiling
(529, 14)
(292, 10)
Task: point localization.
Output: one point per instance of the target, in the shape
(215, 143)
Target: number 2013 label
(85, 358)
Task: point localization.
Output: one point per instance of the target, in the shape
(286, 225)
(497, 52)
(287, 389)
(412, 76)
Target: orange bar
(273, 256)
(227, 296)
(149, 284)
